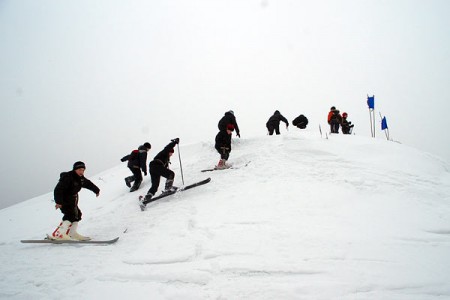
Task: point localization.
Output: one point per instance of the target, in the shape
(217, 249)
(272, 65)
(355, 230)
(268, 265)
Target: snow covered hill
(309, 218)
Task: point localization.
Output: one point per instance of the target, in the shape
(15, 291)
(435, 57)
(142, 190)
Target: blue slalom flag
(371, 102)
(384, 124)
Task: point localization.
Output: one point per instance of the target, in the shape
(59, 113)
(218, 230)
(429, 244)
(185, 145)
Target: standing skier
(334, 119)
(229, 118)
(66, 198)
(223, 146)
(274, 122)
(159, 166)
(137, 161)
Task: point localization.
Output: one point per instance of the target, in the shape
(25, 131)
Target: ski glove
(176, 141)
(238, 135)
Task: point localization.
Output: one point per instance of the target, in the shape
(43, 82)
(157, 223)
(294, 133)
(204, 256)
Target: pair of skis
(226, 168)
(143, 202)
(49, 240)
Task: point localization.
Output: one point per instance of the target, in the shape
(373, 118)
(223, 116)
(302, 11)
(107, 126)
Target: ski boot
(135, 186)
(75, 235)
(62, 231)
(169, 187)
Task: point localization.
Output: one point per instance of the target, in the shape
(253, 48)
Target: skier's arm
(143, 162)
(91, 186)
(236, 127)
(285, 121)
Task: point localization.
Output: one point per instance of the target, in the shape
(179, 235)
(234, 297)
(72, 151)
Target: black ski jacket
(301, 122)
(163, 156)
(275, 120)
(66, 191)
(137, 159)
(228, 118)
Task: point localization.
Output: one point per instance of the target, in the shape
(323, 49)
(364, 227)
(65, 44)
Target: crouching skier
(223, 146)
(159, 166)
(137, 161)
(66, 198)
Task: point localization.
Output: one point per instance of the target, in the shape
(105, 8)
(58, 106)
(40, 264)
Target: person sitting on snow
(346, 125)
(334, 119)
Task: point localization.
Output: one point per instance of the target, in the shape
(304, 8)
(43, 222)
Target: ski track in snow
(308, 218)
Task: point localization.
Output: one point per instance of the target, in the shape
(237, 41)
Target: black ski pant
(334, 126)
(156, 171)
(137, 176)
(272, 128)
(71, 211)
(224, 152)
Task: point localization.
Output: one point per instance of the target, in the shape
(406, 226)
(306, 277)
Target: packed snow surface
(346, 217)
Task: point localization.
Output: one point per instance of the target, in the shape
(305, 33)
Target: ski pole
(181, 167)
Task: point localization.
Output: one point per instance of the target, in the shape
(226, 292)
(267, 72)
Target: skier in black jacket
(223, 146)
(274, 122)
(137, 161)
(229, 118)
(66, 198)
(301, 122)
(159, 166)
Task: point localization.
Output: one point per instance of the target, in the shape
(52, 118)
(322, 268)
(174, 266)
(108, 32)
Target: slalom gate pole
(373, 112)
(181, 166)
(371, 126)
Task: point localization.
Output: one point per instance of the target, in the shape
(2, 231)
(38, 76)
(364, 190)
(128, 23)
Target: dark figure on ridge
(301, 122)
(273, 124)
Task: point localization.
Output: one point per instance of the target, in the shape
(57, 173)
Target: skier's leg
(138, 179)
(277, 129)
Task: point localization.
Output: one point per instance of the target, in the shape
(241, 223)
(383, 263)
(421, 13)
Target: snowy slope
(341, 218)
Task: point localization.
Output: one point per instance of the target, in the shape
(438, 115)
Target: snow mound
(308, 218)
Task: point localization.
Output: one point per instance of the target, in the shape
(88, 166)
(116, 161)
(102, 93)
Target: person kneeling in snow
(347, 126)
(223, 146)
(159, 166)
(66, 198)
(301, 122)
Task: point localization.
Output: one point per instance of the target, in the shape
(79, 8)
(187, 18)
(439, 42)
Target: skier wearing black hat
(66, 198)
(159, 166)
(229, 118)
(137, 161)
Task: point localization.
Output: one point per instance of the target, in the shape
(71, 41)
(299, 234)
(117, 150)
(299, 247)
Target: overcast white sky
(91, 80)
